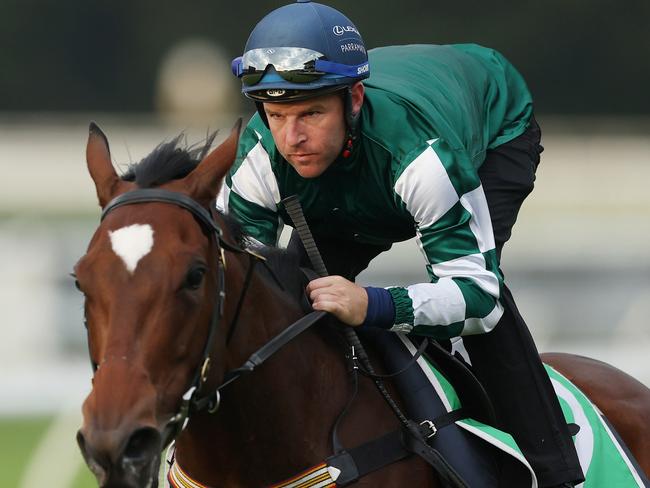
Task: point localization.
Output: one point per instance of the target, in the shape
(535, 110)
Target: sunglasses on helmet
(293, 64)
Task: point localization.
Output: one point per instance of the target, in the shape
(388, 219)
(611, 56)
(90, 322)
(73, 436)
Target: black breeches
(508, 176)
(506, 360)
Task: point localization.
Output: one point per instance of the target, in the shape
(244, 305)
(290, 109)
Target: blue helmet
(299, 51)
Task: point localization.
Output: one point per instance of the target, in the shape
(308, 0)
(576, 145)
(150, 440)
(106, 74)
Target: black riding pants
(505, 360)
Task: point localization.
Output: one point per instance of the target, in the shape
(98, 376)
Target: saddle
(423, 403)
(475, 399)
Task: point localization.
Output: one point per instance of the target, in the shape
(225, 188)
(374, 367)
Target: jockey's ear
(205, 181)
(98, 158)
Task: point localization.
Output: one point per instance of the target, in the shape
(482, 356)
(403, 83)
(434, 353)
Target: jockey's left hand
(344, 299)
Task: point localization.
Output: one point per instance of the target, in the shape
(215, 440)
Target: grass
(84, 479)
(20, 436)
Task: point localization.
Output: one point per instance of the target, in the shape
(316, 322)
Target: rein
(412, 437)
(348, 464)
(191, 401)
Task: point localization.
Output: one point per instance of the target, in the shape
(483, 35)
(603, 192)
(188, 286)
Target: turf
(19, 437)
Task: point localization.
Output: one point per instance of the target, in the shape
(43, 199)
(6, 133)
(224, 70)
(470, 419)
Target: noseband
(191, 402)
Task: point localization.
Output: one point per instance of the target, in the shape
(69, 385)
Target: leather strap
(397, 445)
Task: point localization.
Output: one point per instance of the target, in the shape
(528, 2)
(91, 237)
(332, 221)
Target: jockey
(439, 142)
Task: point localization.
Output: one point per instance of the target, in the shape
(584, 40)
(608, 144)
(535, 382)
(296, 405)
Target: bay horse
(156, 275)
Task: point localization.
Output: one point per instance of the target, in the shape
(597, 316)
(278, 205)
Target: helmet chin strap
(351, 122)
(260, 110)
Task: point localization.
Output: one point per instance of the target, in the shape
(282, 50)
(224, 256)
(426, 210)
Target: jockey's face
(310, 133)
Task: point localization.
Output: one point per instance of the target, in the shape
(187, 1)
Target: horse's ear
(98, 158)
(205, 181)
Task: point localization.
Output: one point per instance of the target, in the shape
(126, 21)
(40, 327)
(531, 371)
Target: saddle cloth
(604, 459)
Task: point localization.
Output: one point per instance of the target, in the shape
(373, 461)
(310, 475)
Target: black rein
(191, 401)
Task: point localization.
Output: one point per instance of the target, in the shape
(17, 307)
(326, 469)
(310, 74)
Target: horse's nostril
(142, 444)
(93, 464)
(81, 441)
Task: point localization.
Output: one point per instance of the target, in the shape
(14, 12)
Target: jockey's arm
(250, 192)
(454, 231)
(453, 227)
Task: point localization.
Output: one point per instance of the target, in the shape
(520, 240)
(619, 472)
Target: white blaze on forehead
(132, 243)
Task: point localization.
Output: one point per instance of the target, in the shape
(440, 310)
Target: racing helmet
(299, 51)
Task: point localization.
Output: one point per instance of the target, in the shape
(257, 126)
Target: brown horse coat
(148, 311)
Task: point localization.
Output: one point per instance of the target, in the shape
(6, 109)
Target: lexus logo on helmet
(339, 30)
(275, 93)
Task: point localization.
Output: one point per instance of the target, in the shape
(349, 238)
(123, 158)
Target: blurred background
(577, 262)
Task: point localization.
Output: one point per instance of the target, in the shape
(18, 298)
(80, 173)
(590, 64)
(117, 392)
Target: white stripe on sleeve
(471, 267)
(222, 198)
(254, 180)
(480, 224)
(482, 325)
(440, 303)
(425, 188)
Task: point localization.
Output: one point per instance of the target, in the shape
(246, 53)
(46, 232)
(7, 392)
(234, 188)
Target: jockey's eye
(194, 278)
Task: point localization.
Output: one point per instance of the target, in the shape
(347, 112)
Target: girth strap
(346, 467)
(395, 446)
(366, 458)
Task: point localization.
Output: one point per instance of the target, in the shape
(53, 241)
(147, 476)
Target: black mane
(286, 268)
(168, 161)
(282, 265)
(174, 160)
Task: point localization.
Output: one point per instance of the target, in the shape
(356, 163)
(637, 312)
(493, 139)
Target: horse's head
(150, 278)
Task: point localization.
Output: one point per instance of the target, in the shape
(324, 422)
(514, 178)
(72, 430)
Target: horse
(173, 303)
(624, 401)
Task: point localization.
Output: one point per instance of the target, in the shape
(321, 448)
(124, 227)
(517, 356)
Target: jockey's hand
(344, 299)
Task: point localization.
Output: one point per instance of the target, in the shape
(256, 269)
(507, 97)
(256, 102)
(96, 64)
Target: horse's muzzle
(120, 439)
(133, 464)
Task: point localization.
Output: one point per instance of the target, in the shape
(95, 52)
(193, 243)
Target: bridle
(192, 401)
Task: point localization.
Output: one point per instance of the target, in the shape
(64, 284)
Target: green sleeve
(439, 187)
(251, 189)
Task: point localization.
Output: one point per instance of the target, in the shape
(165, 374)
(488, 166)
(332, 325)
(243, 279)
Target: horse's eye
(194, 278)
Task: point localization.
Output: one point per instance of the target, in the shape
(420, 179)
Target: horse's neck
(277, 421)
(279, 415)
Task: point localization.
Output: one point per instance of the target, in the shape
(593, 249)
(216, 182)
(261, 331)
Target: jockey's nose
(294, 134)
